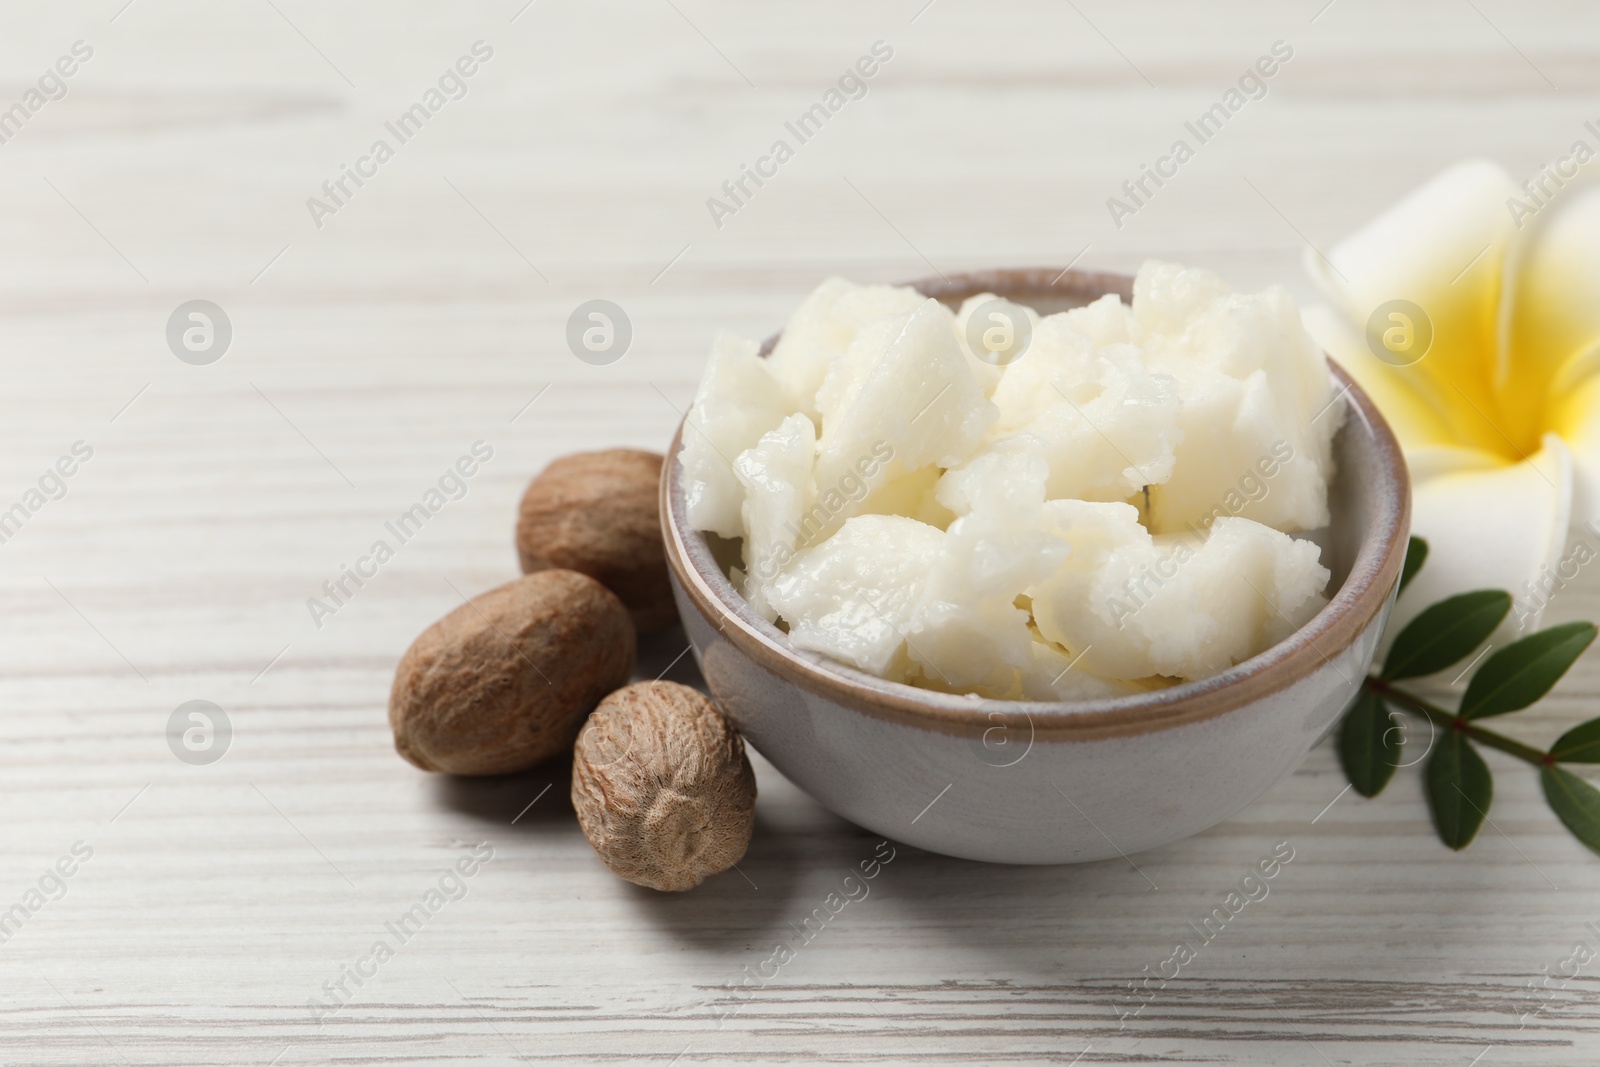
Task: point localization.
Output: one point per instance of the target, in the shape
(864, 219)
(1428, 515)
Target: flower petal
(1414, 420)
(1441, 248)
(1579, 425)
(1427, 440)
(1491, 528)
(1435, 461)
(1551, 320)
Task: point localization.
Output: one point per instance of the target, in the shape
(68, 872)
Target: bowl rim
(1360, 600)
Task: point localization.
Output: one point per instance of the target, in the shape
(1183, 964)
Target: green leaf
(1445, 633)
(1369, 744)
(1581, 744)
(1575, 802)
(1459, 789)
(1524, 671)
(1416, 555)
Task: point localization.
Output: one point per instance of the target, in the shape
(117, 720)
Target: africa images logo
(451, 85)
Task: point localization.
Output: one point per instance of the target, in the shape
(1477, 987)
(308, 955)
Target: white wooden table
(429, 311)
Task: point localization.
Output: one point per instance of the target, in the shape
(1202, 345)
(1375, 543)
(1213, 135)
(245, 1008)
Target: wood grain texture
(429, 313)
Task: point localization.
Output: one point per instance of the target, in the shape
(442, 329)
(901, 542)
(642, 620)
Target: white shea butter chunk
(1010, 475)
(1059, 674)
(967, 632)
(849, 370)
(822, 330)
(1106, 321)
(776, 476)
(1174, 606)
(1006, 319)
(917, 399)
(970, 631)
(738, 401)
(914, 495)
(1106, 426)
(852, 596)
(1258, 406)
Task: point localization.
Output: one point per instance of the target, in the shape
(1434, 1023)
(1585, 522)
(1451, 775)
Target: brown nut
(662, 786)
(598, 513)
(503, 682)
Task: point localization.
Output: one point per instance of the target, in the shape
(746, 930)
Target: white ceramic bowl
(1066, 782)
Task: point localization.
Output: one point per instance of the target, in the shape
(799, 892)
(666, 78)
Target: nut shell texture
(503, 682)
(662, 786)
(599, 513)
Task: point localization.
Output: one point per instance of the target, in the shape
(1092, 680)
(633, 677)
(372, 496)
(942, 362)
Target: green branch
(1452, 721)
(1459, 785)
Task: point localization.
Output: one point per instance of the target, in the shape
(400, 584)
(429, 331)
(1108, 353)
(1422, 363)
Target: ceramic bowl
(1064, 782)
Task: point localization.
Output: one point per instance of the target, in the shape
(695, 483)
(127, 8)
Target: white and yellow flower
(1500, 417)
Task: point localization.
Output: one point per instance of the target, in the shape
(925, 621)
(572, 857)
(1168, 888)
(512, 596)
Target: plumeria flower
(1470, 313)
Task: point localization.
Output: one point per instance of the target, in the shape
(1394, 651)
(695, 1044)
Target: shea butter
(1108, 509)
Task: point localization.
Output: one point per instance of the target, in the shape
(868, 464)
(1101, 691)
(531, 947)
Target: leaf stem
(1450, 720)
